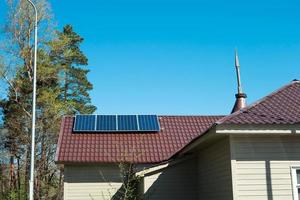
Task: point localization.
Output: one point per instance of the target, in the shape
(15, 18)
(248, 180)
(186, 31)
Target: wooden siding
(214, 172)
(91, 182)
(176, 182)
(261, 166)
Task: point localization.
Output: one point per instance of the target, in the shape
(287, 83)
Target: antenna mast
(240, 101)
(238, 73)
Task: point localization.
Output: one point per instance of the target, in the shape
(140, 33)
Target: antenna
(240, 101)
(238, 73)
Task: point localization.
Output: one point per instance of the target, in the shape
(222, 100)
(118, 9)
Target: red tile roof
(280, 107)
(177, 131)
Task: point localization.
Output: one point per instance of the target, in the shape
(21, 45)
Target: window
(296, 182)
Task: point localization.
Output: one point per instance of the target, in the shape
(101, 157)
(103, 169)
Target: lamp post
(31, 182)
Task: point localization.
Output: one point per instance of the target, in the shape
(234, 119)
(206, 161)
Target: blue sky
(177, 57)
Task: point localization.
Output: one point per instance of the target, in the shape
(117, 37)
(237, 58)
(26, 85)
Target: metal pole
(31, 182)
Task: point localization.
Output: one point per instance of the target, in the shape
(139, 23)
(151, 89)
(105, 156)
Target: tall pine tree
(75, 86)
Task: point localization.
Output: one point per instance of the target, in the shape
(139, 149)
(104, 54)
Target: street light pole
(31, 182)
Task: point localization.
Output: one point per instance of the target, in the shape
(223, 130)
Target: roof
(143, 147)
(280, 107)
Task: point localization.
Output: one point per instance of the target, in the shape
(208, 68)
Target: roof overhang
(258, 129)
(218, 131)
(201, 141)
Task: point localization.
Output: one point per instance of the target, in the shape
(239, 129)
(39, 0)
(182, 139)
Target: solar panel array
(116, 123)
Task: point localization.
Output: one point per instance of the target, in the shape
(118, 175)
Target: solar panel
(116, 123)
(148, 123)
(106, 123)
(127, 123)
(85, 123)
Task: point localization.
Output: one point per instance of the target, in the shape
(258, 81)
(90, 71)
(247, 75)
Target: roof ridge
(261, 100)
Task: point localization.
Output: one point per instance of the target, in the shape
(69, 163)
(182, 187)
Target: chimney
(240, 101)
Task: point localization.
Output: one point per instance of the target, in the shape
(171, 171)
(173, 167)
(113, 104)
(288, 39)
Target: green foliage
(12, 195)
(129, 190)
(66, 54)
(15, 194)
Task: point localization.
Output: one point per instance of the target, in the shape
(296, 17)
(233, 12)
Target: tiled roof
(280, 107)
(177, 131)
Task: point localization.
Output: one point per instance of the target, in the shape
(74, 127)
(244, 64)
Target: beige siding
(214, 172)
(261, 166)
(177, 182)
(91, 182)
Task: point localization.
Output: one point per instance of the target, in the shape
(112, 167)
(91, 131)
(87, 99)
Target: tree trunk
(18, 179)
(60, 185)
(12, 176)
(27, 164)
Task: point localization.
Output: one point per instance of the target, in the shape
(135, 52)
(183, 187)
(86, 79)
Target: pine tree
(75, 86)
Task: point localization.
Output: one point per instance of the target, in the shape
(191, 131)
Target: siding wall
(177, 182)
(214, 172)
(261, 166)
(91, 182)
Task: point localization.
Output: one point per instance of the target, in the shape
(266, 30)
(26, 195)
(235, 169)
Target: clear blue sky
(177, 56)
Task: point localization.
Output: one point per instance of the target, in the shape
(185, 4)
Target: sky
(176, 57)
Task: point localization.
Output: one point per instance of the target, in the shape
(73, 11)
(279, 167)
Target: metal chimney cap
(241, 95)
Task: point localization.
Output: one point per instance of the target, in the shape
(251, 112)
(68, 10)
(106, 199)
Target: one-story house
(253, 154)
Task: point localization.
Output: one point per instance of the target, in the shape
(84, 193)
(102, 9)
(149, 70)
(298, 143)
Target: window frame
(295, 184)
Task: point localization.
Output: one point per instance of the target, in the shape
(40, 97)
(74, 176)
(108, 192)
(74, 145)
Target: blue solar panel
(116, 123)
(106, 123)
(127, 123)
(85, 123)
(148, 123)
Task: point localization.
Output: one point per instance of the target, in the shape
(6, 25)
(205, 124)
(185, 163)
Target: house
(91, 160)
(253, 154)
